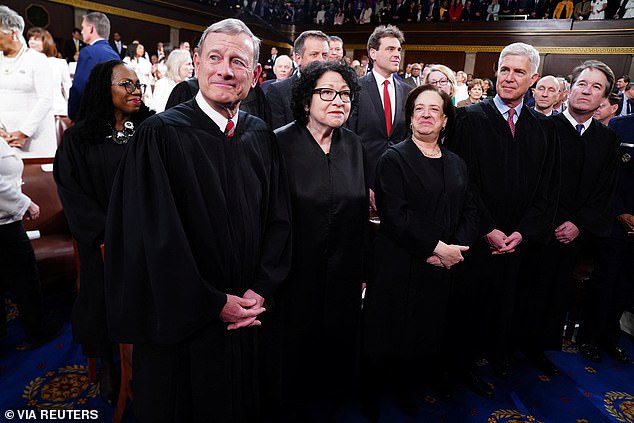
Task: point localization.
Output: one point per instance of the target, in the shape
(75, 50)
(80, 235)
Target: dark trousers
(609, 291)
(19, 276)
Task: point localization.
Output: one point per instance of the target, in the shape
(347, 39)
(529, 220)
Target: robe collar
(218, 119)
(574, 123)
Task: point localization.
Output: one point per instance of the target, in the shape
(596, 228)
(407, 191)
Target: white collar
(219, 119)
(574, 123)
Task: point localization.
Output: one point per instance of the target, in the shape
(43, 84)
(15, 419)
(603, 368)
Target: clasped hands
(446, 255)
(242, 312)
(14, 139)
(499, 243)
(566, 232)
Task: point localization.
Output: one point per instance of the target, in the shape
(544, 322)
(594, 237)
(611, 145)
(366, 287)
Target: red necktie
(510, 121)
(387, 107)
(229, 130)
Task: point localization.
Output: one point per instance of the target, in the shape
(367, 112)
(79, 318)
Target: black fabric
(516, 186)
(195, 216)
(278, 102)
(85, 167)
(405, 311)
(20, 277)
(317, 307)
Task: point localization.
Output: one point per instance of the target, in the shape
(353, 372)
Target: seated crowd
(203, 209)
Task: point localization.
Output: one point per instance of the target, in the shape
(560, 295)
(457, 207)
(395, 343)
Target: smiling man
(198, 238)
(512, 155)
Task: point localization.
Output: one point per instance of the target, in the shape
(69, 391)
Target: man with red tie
(380, 118)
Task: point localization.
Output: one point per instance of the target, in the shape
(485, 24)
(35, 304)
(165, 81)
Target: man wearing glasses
(95, 29)
(198, 237)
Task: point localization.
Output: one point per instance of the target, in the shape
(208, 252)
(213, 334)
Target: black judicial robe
(516, 185)
(318, 305)
(589, 165)
(419, 203)
(84, 170)
(194, 216)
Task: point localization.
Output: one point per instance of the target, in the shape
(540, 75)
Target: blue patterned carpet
(55, 377)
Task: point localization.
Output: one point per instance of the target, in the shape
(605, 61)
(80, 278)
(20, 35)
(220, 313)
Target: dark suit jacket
(368, 121)
(624, 128)
(124, 49)
(90, 56)
(629, 109)
(278, 102)
(410, 81)
(69, 49)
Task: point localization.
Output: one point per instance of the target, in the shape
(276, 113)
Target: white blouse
(13, 204)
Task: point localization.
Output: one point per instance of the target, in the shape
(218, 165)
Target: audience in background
(179, 68)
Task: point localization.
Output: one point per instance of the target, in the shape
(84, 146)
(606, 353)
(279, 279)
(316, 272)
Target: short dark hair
(625, 78)
(96, 109)
(298, 45)
(305, 84)
(447, 105)
(598, 65)
(474, 82)
(383, 31)
(614, 99)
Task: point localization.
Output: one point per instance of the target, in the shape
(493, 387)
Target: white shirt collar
(380, 79)
(574, 123)
(218, 119)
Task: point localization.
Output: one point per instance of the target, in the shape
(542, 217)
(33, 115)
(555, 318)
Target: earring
(15, 38)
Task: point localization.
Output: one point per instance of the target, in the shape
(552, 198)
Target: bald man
(546, 94)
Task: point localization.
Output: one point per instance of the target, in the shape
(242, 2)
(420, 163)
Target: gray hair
(280, 59)
(174, 61)
(521, 49)
(335, 38)
(232, 26)
(100, 22)
(10, 21)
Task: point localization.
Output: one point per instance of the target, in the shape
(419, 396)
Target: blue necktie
(579, 128)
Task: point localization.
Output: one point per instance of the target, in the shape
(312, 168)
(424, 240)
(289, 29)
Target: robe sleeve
(410, 228)
(537, 223)
(275, 258)
(154, 290)
(598, 213)
(469, 220)
(86, 218)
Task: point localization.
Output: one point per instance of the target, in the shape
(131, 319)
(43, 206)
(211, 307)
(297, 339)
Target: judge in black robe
(317, 307)
(422, 202)
(588, 182)
(515, 180)
(86, 162)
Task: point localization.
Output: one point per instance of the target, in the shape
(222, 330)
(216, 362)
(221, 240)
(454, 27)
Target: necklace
(122, 137)
(433, 154)
(10, 64)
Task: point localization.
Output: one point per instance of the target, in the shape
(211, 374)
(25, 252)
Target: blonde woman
(179, 68)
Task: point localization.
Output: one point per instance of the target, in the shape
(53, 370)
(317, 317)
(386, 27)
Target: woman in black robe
(428, 220)
(85, 165)
(316, 310)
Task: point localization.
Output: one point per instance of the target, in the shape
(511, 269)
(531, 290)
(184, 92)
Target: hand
(33, 212)
(566, 232)
(240, 312)
(495, 239)
(434, 261)
(627, 220)
(372, 200)
(449, 254)
(511, 242)
(16, 139)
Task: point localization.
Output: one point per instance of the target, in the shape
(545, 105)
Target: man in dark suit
(432, 11)
(95, 29)
(415, 79)
(270, 62)
(310, 46)
(118, 46)
(380, 120)
(626, 105)
(512, 155)
(73, 46)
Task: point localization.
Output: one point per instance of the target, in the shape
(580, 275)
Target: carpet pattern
(55, 377)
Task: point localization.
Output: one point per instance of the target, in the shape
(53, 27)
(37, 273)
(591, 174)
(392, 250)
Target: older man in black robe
(512, 155)
(198, 236)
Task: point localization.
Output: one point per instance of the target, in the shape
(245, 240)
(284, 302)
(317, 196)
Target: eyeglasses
(328, 94)
(439, 83)
(131, 87)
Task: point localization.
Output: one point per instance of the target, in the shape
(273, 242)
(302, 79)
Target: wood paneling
(562, 64)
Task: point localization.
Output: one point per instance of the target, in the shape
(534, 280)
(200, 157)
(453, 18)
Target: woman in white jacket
(179, 67)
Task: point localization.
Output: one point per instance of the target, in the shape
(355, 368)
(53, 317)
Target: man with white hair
(512, 155)
(546, 94)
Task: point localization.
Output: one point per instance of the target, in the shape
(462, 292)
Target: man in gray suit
(380, 119)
